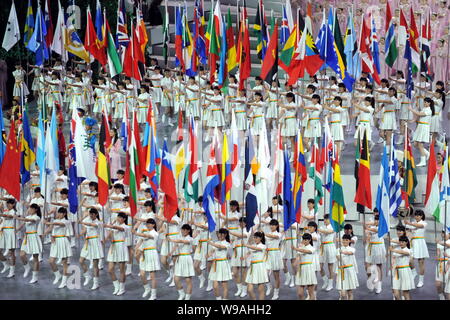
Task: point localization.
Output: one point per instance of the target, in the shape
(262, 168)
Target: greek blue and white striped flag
(383, 198)
(395, 189)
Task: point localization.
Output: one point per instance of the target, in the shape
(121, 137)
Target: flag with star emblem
(167, 184)
(269, 68)
(73, 178)
(212, 181)
(10, 169)
(12, 33)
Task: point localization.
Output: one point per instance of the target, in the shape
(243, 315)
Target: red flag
(168, 186)
(90, 42)
(432, 170)
(367, 63)
(244, 55)
(269, 67)
(180, 126)
(363, 194)
(48, 24)
(10, 169)
(133, 55)
(102, 165)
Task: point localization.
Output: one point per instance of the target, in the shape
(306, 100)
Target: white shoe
(163, 118)
(288, 279)
(378, 287)
(210, 285)
(27, 270)
(128, 271)
(59, 261)
(238, 293)
(330, 285)
(116, 287)
(219, 298)
(441, 296)
(101, 264)
(170, 123)
(169, 279)
(146, 291)
(91, 265)
(187, 296)
(181, 294)
(275, 294)
(244, 291)
(420, 284)
(268, 289)
(63, 282)
(57, 277)
(153, 295)
(31, 258)
(292, 284)
(427, 154)
(325, 282)
(202, 281)
(87, 279)
(34, 278)
(11, 272)
(121, 289)
(370, 285)
(422, 162)
(172, 284)
(95, 284)
(5, 267)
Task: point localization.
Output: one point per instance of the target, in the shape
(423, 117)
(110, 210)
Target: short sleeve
(261, 246)
(154, 234)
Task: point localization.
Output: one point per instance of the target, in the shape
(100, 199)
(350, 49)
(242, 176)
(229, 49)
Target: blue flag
(73, 179)
(37, 43)
(251, 205)
(223, 56)
(27, 154)
(409, 74)
(383, 199)
(288, 203)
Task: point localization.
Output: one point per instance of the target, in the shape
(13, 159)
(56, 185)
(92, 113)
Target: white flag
(83, 151)
(58, 38)
(12, 32)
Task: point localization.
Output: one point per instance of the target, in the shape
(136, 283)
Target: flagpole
(243, 209)
(390, 260)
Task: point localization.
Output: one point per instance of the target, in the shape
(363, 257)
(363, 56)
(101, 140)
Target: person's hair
(347, 237)
(278, 198)
(316, 96)
(348, 226)
(311, 200)
(274, 222)
(400, 228)
(405, 239)
(13, 202)
(290, 95)
(441, 91)
(375, 210)
(200, 199)
(258, 78)
(370, 87)
(312, 87)
(93, 184)
(363, 79)
(153, 222)
(326, 216)
(401, 74)
(260, 234)
(384, 80)
(431, 102)
(243, 219)
(337, 98)
(420, 213)
(333, 78)
(126, 199)
(37, 208)
(371, 100)
(64, 191)
(94, 211)
(226, 233)
(307, 236)
(393, 90)
(440, 83)
(64, 211)
(120, 171)
(37, 190)
(235, 203)
(188, 228)
(120, 186)
(313, 224)
(376, 218)
(123, 216)
(258, 94)
(341, 85)
(151, 204)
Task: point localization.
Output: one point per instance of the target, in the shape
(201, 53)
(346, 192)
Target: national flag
(91, 42)
(338, 39)
(180, 162)
(442, 215)
(141, 32)
(188, 48)
(179, 62)
(199, 34)
(390, 47)
(209, 28)
(166, 36)
(432, 195)
(410, 178)
(383, 201)
(133, 166)
(244, 53)
(337, 202)
(37, 42)
(12, 32)
(262, 170)
(260, 30)
(216, 34)
(414, 43)
(367, 63)
(226, 178)
(351, 46)
(409, 74)
(231, 54)
(374, 48)
(48, 24)
(212, 181)
(114, 61)
(269, 69)
(316, 175)
(363, 194)
(2, 135)
(289, 18)
(40, 148)
(285, 32)
(223, 67)
(72, 42)
(289, 201)
(192, 170)
(288, 50)
(251, 205)
(395, 193)
(29, 24)
(124, 130)
(300, 176)
(278, 164)
(26, 149)
(152, 156)
(133, 56)
(58, 45)
(122, 38)
(102, 169)
(51, 156)
(10, 169)
(99, 26)
(168, 185)
(73, 178)
(403, 30)
(425, 43)
(235, 161)
(84, 152)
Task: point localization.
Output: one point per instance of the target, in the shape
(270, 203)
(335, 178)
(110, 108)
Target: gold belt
(343, 270)
(399, 267)
(215, 262)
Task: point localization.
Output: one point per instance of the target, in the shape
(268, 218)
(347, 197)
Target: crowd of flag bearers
(121, 204)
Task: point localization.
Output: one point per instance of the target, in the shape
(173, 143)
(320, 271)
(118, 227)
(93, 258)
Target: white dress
(313, 126)
(290, 239)
(220, 269)
(346, 103)
(150, 258)
(441, 262)
(257, 274)
(173, 231)
(240, 106)
(347, 278)
(8, 234)
(192, 102)
(364, 124)
(32, 243)
(436, 120)
(119, 103)
(142, 107)
(289, 127)
(239, 250)
(20, 87)
(272, 109)
(202, 246)
(402, 278)
(418, 245)
(118, 251)
(376, 251)
(92, 247)
(100, 99)
(184, 265)
(216, 117)
(327, 247)
(77, 97)
(60, 247)
(337, 131)
(166, 97)
(257, 117)
(273, 254)
(316, 244)
(156, 90)
(54, 95)
(388, 121)
(422, 132)
(179, 97)
(306, 273)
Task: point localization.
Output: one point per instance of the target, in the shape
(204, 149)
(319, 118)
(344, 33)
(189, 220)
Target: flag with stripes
(383, 199)
(395, 189)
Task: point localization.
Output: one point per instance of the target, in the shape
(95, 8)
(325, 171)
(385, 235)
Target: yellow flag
(179, 161)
